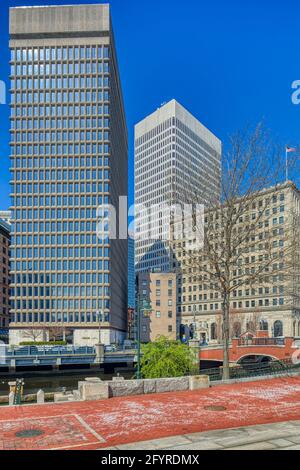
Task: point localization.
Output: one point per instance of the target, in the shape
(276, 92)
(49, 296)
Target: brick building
(4, 276)
(159, 291)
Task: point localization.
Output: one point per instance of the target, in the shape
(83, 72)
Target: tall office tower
(69, 156)
(175, 158)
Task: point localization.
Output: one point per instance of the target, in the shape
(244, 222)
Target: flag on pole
(287, 151)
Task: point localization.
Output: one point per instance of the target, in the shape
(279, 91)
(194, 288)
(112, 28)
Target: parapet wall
(96, 389)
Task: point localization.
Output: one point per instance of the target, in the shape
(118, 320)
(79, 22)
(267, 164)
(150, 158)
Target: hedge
(43, 343)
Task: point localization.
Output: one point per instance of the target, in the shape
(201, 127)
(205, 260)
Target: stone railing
(97, 389)
(94, 388)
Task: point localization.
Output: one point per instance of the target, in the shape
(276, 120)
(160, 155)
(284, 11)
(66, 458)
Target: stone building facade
(272, 302)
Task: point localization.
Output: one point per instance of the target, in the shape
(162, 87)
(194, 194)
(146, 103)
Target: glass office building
(68, 157)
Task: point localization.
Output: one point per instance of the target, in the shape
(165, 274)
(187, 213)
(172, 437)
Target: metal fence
(261, 341)
(48, 351)
(253, 369)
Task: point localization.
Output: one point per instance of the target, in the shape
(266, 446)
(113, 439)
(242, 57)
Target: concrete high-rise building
(4, 279)
(175, 157)
(69, 156)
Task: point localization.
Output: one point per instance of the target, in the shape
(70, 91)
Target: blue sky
(230, 63)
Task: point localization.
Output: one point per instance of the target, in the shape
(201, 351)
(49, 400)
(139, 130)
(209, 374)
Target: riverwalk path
(127, 421)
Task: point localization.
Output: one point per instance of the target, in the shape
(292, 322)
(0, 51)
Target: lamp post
(138, 372)
(195, 336)
(195, 348)
(99, 347)
(143, 306)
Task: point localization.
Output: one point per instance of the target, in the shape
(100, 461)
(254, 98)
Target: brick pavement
(118, 421)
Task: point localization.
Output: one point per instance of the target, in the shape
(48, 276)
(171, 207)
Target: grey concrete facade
(69, 156)
(175, 157)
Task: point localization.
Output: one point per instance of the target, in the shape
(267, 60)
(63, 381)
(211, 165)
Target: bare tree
(241, 246)
(254, 321)
(236, 320)
(33, 334)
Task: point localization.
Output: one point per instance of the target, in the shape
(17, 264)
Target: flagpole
(287, 151)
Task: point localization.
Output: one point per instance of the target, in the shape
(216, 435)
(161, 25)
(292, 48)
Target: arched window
(236, 330)
(263, 325)
(278, 329)
(213, 331)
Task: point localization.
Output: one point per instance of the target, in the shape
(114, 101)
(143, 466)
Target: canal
(56, 382)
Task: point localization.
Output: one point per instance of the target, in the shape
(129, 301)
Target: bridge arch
(257, 358)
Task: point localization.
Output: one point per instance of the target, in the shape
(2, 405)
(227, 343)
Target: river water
(56, 382)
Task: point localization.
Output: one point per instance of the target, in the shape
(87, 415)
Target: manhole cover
(29, 433)
(215, 408)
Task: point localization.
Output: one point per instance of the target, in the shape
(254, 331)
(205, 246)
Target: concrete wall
(95, 389)
(90, 337)
(17, 336)
(82, 336)
(59, 19)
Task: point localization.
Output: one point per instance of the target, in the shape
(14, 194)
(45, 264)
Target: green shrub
(43, 343)
(165, 358)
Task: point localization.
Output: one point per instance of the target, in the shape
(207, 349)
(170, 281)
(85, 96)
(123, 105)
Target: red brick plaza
(96, 425)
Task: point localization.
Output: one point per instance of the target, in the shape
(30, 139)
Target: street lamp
(194, 345)
(195, 332)
(138, 372)
(143, 306)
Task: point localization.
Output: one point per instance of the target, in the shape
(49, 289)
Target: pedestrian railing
(29, 351)
(253, 369)
(48, 351)
(261, 341)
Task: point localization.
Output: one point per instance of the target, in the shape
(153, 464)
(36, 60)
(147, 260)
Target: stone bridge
(253, 348)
